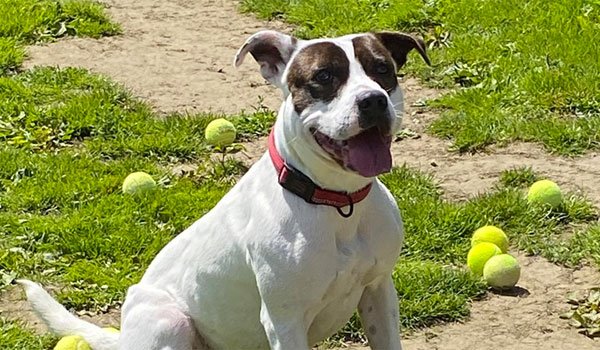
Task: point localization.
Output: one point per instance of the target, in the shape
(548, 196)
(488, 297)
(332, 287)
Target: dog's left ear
(272, 50)
(400, 44)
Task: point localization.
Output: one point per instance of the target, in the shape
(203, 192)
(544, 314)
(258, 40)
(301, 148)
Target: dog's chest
(357, 262)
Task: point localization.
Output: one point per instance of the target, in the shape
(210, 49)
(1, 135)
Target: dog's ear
(272, 50)
(400, 44)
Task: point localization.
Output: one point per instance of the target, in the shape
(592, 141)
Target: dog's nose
(373, 111)
(372, 102)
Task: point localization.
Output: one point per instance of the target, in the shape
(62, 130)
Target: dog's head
(343, 90)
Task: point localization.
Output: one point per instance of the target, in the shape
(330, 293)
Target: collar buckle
(297, 183)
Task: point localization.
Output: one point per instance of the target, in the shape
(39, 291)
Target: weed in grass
(31, 21)
(47, 108)
(250, 126)
(448, 291)
(518, 177)
(11, 55)
(584, 313)
(584, 246)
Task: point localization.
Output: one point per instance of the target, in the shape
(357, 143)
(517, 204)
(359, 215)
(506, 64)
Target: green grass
(49, 109)
(527, 70)
(439, 230)
(14, 335)
(11, 54)
(28, 21)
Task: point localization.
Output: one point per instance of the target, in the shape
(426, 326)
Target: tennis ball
(502, 271)
(546, 192)
(220, 132)
(138, 182)
(490, 234)
(72, 342)
(111, 330)
(479, 255)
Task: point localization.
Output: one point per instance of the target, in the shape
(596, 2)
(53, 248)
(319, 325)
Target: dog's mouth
(367, 153)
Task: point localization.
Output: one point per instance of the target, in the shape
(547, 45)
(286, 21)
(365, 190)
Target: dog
(306, 236)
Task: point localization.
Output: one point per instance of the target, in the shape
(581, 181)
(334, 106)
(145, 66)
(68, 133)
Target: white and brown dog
(304, 238)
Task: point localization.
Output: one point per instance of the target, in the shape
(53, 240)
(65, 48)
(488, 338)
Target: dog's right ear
(272, 50)
(400, 44)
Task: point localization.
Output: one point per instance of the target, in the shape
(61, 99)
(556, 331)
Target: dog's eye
(382, 68)
(323, 76)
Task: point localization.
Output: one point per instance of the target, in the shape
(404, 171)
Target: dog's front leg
(284, 328)
(283, 300)
(378, 309)
(282, 316)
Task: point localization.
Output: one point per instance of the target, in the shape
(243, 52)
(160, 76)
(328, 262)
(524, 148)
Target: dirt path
(525, 322)
(177, 55)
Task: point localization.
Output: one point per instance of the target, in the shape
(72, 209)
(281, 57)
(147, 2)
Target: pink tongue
(368, 153)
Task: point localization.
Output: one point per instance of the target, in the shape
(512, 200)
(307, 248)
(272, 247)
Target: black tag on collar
(297, 183)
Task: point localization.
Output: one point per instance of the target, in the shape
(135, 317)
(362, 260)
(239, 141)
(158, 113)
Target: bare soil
(177, 55)
(526, 320)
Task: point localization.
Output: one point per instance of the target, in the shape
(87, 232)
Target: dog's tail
(62, 323)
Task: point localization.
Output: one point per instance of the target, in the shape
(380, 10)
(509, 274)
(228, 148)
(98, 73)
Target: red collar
(301, 185)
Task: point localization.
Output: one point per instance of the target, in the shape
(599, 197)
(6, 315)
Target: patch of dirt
(177, 55)
(525, 321)
(13, 306)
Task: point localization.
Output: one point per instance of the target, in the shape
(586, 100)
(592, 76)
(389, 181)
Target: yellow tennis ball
(111, 330)
(220, 132)
(490, 234)
(545, 192)
(479, 255)
(72, 342)
(138, 182)
(502, 271)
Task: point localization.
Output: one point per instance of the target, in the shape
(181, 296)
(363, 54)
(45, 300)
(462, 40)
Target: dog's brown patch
(376, 61)
(306, 71)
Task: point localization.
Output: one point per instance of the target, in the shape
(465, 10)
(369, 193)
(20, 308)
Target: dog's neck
(303, 154)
